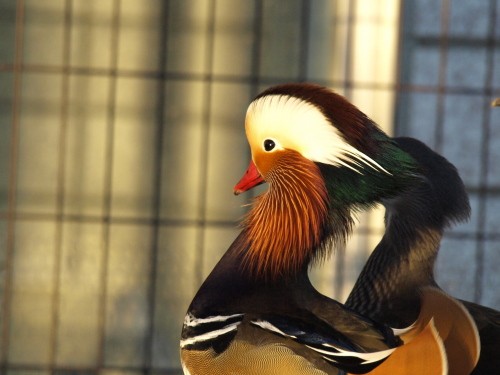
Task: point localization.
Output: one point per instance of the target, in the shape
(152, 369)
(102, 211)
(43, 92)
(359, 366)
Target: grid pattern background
(121, 136)
(449, 73)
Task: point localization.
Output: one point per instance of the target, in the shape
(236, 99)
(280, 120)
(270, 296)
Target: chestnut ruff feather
(288, 225)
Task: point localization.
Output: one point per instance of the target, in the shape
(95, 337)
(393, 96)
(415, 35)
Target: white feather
(191, 321)
(402, 331)
(336, 352)
(270, 327)
(299, 125)
(184, 368)
(210, 335)
(366, 357)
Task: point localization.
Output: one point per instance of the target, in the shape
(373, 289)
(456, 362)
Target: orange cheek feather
(287, 223)
(266, 161)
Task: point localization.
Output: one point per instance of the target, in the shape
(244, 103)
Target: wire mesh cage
(121, 137)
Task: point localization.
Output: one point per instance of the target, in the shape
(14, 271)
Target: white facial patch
(298, 125)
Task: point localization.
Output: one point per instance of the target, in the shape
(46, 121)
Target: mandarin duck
(387, 289)
(257, 312)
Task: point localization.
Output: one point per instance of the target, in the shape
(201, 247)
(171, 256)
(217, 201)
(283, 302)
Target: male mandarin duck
(257, 312)
(403, 261)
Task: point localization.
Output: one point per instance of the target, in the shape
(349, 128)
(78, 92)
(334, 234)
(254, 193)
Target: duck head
(321, 157)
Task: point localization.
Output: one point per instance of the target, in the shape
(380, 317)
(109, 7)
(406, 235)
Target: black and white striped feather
(214, 332)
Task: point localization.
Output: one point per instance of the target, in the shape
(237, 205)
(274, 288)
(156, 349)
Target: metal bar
(256, 47)
(68, 9)
(347, 83)
(26, 216)
(400, 57)
(108, 177)
(86, 370)
(484, 156)
(20, 217)
(443, 62)
(242, 79)
(157, 188)
(12, 198)
(445, 90)
(462, 41)
(340, 256)
(204, 143)
(305, 19)
(255, 80)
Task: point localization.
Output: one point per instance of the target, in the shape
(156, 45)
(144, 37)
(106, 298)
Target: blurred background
(121, 137)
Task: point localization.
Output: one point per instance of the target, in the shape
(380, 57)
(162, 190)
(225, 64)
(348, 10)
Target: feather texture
(401, 266)
(288, 225)
(257, 312)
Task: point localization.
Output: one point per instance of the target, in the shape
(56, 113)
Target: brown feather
(454, 325)
(425, 354)
(288, 224)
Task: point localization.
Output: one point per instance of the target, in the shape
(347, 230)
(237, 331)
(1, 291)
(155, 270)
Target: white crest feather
(299, 125)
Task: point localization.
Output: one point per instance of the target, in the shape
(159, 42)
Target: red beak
(250, 179)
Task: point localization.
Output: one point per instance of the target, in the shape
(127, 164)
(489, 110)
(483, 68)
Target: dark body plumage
(257, 312)
(230, 290)
(387, 289)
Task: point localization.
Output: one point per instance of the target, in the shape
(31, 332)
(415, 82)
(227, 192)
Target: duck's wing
(247, 344)
(302, 343)
(314, 335)
(454, 324)
(271, 344)
(424, 354)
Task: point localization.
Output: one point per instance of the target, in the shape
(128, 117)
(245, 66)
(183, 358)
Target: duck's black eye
(269, 144)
